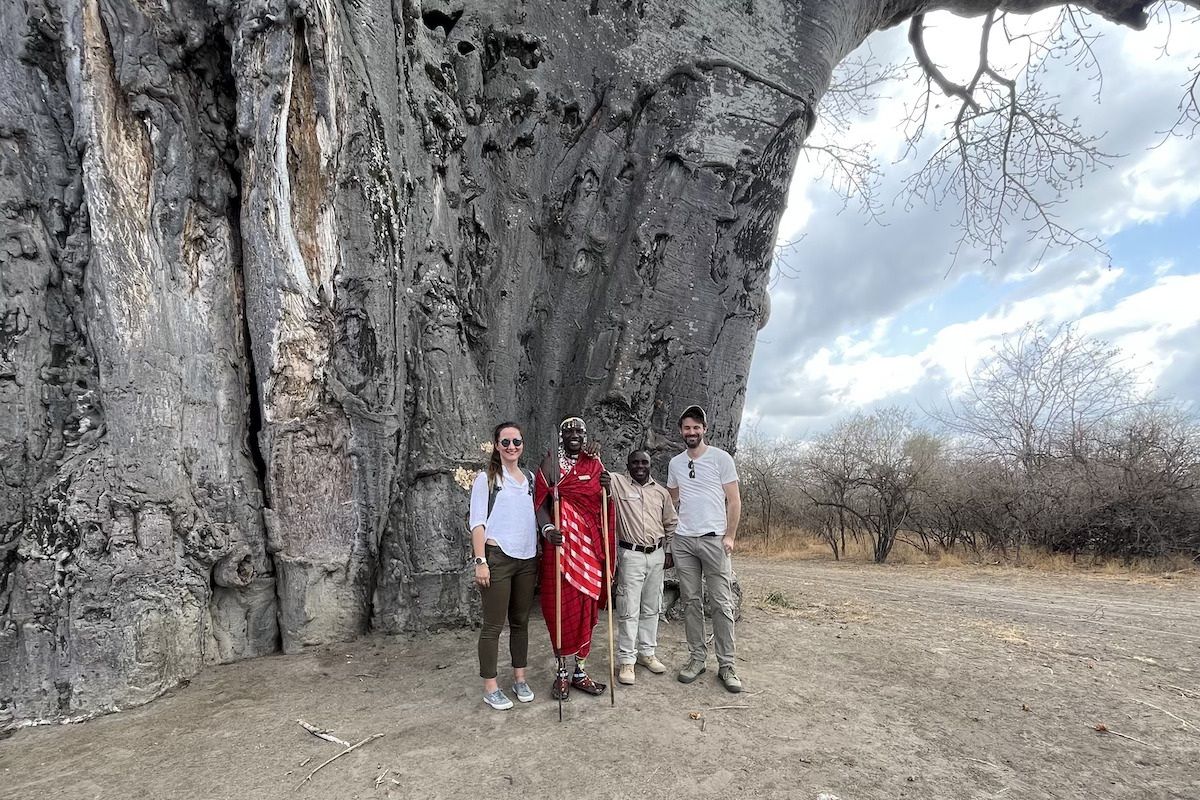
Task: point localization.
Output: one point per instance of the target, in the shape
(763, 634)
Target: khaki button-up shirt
(645, 513)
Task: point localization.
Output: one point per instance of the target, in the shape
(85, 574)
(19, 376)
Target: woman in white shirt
(504, 543)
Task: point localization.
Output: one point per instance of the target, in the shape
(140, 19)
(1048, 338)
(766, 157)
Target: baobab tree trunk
(272, 268)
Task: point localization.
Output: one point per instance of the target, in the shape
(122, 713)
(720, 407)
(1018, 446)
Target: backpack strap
(499, 484)
(493, 490)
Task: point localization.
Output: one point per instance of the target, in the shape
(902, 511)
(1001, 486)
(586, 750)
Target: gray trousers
(703, 558)
(638, 602)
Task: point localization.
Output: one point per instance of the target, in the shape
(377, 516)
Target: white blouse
(512, 523)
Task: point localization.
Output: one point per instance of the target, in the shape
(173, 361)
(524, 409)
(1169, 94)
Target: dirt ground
(861, 682)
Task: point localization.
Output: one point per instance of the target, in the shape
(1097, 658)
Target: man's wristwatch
(479, 561)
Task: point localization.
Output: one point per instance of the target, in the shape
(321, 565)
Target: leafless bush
(869, 470)
(1050, 447)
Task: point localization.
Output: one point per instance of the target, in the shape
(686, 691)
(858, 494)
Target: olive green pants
(509, 595)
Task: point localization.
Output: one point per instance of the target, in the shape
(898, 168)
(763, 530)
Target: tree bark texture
(271, 269)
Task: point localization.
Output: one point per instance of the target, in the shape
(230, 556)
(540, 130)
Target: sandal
(584, 683)
(561, 689)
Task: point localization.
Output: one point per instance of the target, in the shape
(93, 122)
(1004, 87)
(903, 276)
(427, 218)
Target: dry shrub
(792, 544)
(795, 544)
(1044, 561)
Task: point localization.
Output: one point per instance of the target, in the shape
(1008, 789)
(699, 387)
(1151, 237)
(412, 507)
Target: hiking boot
(729, 677)
(625, 674)
(692, 670)
(498, 700)
(652, 663)
(523, 692)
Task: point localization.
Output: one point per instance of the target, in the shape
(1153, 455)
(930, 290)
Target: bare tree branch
(916, 37)
(1011, 156)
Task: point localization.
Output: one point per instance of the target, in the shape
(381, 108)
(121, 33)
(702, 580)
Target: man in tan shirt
(646, 522)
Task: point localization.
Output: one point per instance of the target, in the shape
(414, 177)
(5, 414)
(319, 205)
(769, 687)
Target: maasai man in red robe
(572, 472)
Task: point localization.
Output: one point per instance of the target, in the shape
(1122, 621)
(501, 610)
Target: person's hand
(606, 480)
(727, 540)
(592, 448)
(553, 536)
(668, 561)
(483, 575)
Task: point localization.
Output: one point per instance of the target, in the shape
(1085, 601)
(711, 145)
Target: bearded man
(703, 481)
(572, 475)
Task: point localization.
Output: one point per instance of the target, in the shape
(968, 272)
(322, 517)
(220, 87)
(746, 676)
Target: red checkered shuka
(579, 493)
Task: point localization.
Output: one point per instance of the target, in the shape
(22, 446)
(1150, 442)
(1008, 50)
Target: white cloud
(1151, 326)
(1159, 183)
(866, 320)
(853, 373)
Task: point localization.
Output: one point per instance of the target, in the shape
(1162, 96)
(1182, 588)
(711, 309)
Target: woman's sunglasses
(518, 443)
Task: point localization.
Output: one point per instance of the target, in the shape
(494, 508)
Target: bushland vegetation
(1052, 447)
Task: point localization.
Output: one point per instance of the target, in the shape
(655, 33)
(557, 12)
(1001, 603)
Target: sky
(870, 312)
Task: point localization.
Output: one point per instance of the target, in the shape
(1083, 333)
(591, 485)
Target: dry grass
(777, 602)
(1009, 634)
(793, 546)
(798, 545)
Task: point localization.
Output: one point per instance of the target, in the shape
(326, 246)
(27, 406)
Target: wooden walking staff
(612, 682)
(561, 662)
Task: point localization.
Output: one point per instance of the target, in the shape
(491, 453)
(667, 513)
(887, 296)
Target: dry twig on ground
(322, 733)
(1185, 692)
(1185, 723)
(1102, 728)
(349, 749)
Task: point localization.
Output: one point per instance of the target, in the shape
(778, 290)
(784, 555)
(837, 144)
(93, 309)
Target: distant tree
(943, 517)
(872, 467)
(1065, 452)
(765, 468)
(830, 468)
(1143, 487)
(1042, 395)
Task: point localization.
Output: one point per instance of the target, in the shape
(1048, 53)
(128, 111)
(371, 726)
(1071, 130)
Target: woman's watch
(479, 561)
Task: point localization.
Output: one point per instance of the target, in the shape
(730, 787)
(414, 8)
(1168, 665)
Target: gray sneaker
(692, 670)
(498, 700)
(729, 677)
(523, 692)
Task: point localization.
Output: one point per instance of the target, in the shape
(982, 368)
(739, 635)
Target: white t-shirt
(511, 523)
(702, 498)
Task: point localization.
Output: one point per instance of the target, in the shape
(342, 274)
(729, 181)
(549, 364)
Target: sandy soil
(861, 682)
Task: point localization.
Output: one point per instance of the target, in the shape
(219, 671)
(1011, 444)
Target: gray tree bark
(271, 269)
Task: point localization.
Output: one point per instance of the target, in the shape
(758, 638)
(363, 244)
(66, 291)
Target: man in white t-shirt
(703, 481)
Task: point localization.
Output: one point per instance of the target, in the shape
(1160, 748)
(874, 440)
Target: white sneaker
(625, 675)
